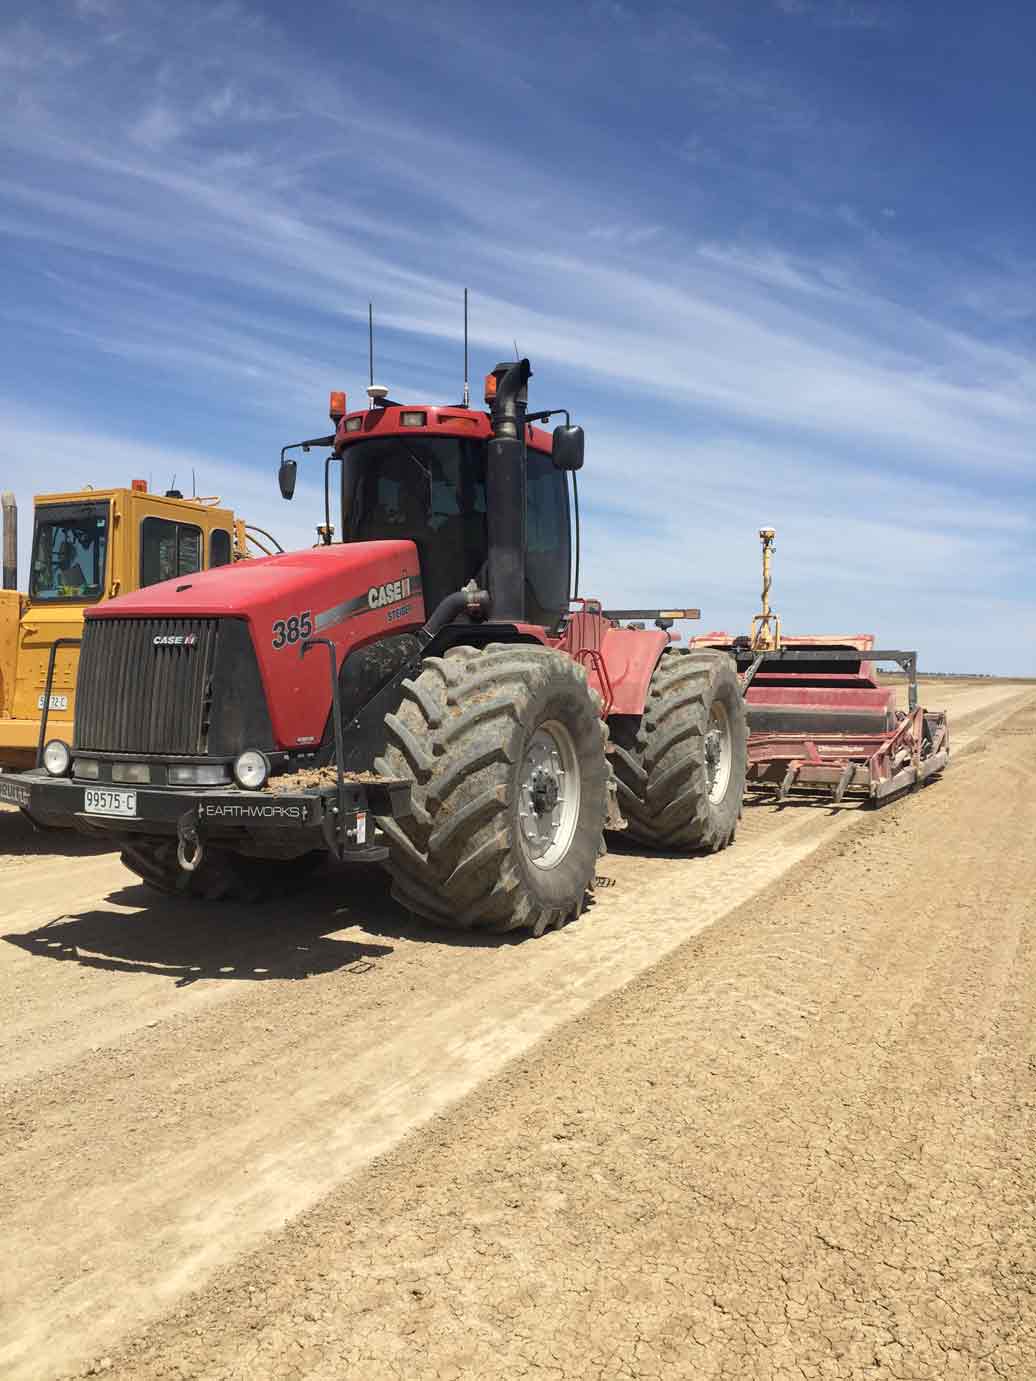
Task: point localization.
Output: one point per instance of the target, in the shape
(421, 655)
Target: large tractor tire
(681, 765)
(505, 751)
(221, 875)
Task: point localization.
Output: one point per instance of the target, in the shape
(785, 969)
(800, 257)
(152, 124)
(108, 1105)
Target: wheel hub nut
(544, 792)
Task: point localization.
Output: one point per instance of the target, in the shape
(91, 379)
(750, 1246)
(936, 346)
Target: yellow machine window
(219, 548)
(167, 550)
(69, 551)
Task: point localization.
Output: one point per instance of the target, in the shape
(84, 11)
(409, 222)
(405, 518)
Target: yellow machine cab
(89, 546)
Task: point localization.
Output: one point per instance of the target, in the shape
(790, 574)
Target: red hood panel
(241, 588)
(352, 593)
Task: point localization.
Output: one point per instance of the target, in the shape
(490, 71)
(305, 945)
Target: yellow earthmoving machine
(87, 547)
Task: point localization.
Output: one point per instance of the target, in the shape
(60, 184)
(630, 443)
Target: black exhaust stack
(505, 491)
(10, 563)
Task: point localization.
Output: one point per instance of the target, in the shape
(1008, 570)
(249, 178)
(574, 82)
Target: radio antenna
(467, 389)
(370, 340)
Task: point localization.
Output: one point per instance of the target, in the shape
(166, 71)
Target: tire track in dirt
(833, 1180)
(220, 1108)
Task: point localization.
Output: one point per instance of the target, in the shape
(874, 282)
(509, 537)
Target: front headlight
(56, 758)
(87, 768)
(251, 769)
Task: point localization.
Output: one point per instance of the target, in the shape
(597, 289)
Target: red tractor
(422, 693)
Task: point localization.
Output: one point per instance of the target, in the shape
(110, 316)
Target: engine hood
(247, 586)
(351, 593)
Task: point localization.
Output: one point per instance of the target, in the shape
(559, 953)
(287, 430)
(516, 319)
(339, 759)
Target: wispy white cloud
(924, 565)
(844, 14)
(215, 219)
(42, 456)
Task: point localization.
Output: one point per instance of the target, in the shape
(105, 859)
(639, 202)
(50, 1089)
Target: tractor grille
(136, 694)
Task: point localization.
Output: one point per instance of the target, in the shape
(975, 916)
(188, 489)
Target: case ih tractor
(421, 693)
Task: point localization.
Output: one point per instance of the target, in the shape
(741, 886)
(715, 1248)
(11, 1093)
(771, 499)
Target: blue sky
(776, 256)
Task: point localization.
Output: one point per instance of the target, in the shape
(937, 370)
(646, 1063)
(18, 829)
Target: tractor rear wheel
(505, 751)
(221, 875)
(681, 765)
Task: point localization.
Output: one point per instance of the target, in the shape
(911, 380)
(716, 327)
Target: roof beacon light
(139, 486)
(490, 392)
(336, 408)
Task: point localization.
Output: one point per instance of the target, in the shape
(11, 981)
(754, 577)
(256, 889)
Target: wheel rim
(718, 753)
(548, 795)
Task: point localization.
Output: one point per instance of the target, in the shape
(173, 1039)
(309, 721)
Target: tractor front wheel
(505, 752)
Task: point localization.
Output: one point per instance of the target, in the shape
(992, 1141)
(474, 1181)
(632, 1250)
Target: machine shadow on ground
(769, 801)
(191, 941)
(621, 847)
(20, 838)
(283, 938)
(370, 905)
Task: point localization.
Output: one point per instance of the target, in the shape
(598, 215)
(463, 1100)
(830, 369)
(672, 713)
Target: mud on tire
(221, 876)
(474, 734)
(673, 791)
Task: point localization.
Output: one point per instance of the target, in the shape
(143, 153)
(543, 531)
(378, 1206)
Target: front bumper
(309, 817)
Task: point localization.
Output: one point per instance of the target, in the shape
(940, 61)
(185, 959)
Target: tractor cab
(422, 473)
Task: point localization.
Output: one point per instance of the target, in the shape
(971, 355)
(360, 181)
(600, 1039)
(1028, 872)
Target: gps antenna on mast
(376, 393)
(370, 344)
(467, 388)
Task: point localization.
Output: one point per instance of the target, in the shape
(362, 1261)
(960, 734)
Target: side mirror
(568, 448)
(286, 477)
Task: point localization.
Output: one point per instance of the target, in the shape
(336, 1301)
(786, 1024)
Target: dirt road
(800, 1140)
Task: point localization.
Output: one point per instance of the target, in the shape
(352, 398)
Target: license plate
(57, 702)
(97, 802)
(14, 792)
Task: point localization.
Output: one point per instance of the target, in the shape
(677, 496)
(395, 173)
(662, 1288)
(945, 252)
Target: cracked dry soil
(766, 1114)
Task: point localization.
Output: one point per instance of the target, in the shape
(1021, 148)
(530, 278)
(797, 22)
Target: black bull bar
(339, 816)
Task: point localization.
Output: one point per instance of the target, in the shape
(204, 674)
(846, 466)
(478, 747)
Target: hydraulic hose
(474, 602)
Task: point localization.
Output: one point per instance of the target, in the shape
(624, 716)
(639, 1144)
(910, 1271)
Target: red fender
(619, 661)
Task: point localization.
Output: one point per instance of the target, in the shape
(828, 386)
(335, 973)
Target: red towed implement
(820, 721)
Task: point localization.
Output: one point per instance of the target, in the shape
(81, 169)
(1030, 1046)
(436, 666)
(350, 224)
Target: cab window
(219, 548)
(69, 550)
(431, 490)
(168, 549)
